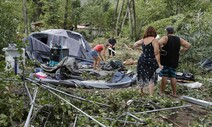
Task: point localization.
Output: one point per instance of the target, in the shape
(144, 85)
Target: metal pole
(69, 103)
(28, 93)
(75, 121)
(156, 110)
(16, 65)
(122, 121)
(80, 98)
(31, 108)
(197, 101)
(135, 117)
(125, 121)
(76, 108)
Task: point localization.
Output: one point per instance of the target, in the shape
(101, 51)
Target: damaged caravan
(71, 43)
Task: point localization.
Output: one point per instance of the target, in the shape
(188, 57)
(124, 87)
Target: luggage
(185, 76)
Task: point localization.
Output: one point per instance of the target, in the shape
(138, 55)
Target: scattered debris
(197, 101)
(206, 65)
(129, 102)
(191, 84)
(130, 62)
(163, 109)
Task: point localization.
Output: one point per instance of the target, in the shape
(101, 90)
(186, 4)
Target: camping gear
(197, 101)
(40, 75)
(118, 80)
(38, 70)
(206, 65)
(57, 54)
(67, 74)
(185, 77)
(40, 44)
(117, 64)
(113, 65)
(66, 68)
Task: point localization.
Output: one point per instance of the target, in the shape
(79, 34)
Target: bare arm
(103, 52)
(157, 51)
(186, 46)
(138, 43)
(163, 41)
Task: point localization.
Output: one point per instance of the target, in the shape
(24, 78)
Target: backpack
(117, 64)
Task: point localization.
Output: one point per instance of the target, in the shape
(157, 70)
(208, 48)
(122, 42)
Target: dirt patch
(185, 117)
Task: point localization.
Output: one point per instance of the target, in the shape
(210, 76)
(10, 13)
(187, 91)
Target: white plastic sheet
(191, 84)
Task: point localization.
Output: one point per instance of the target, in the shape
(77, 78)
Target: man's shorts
(168, 72)
(93, 53)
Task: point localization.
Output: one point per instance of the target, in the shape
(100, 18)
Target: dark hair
(150, 32)
(170, 29)
(107, 44)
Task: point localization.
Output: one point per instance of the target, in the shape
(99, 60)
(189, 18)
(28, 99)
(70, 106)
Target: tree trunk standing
(118, 19)
(133, 19)
(125, 17)
(130, 19)
(66, 15)
(115, 15)
(73, 25)
(178, 7)
(25, 17)
(139, 25)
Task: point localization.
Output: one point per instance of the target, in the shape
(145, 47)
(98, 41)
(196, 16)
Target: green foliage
(11, 105)
(52, 19)
(8, 22)
(96, 16)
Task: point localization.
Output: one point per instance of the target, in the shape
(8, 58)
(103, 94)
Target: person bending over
(97, 52)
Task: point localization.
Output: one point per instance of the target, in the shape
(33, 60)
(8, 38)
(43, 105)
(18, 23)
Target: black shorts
(168, 72)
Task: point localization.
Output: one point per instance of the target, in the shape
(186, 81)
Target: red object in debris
(40, 75)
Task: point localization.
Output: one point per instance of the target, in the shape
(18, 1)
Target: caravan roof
(41, 42)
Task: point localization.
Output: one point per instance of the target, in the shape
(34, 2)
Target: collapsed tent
(63, 55)
(40, 44)
(66, 73)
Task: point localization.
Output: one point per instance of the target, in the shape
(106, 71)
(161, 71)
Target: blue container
(38, 70)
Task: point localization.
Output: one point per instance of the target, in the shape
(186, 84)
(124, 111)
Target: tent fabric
(124, 82)
(41, 42)
(69, 62)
